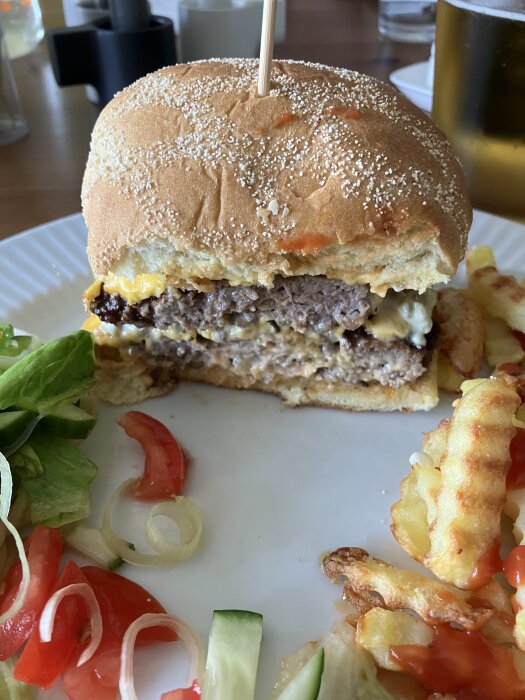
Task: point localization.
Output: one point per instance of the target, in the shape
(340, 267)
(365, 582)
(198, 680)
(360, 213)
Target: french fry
(379, 630)
(415, 510)
(501, 346)
(385, 586)
(515, 509)
(500, 296)
(491, 595)
(449, 379)
(466, 529)
(479, 257)
(412, 514)
(461, 331)
(435, 441)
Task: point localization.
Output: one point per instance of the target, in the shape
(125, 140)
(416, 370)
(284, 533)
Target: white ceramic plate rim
(412, 82)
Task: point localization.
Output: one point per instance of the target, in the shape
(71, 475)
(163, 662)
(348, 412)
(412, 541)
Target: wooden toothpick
(267, 35)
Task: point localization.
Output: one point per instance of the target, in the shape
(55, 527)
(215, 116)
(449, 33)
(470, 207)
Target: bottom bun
(131, 381)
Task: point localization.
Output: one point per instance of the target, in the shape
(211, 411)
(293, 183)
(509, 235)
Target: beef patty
(303, 303)
(297, 342)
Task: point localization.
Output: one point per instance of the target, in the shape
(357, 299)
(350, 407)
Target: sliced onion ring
(47, 619)
(6, 492)
(188, 519)
(182, 511)
(186, 634)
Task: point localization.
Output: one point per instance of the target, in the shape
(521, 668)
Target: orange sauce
(516, 473)
(488, 564)
(465, 664)
(305, 243)
(514, 566)
(286, 118)
(346, 113)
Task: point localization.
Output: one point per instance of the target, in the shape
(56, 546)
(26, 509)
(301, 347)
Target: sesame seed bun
(194, 176)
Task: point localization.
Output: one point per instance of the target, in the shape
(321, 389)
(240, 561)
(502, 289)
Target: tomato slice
(193, 693)
(97, 679)
(41, 663)
(121, 602)
(165, 464)
(43, 549)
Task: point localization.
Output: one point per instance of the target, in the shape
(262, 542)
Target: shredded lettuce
(57, 477)
(349, 671)
(60, 371)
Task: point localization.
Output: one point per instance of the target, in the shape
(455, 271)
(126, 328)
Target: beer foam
(513, 9)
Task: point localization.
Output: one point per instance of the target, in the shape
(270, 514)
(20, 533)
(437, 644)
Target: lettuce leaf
(60, 371)
(349, 671)
(59, 488)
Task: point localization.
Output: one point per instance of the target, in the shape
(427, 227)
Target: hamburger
(286, 243)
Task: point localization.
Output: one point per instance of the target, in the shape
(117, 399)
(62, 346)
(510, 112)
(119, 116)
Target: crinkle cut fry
(501, 296)
(461, 331)
(415, 510)
(515, 508)
(379, 584)
(465, 532)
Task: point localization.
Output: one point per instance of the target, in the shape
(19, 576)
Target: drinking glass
(407, 20)
(479, 97)
(23, 28)
(13, 125)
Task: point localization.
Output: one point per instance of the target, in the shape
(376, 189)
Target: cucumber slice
(68, 421)
(12, 426)
(305, 685)
(233, 654)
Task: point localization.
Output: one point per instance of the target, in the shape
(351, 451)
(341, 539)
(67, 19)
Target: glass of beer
(479, 97)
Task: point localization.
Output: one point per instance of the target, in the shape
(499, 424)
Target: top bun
(334, 173)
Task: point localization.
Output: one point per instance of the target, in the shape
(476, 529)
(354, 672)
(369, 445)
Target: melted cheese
(133, 291)
(123, 335)
(403, 315)
(92, 292)
(91, 323)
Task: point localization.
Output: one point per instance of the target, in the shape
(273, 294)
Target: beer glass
(479, 97)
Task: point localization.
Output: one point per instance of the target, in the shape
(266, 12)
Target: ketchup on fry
(464, 664)
(514, 566)
(488, 564)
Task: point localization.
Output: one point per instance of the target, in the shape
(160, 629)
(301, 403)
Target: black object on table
(112, 53)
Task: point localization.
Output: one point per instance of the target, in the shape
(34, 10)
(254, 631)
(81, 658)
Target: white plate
(413, 82)
(276, 487)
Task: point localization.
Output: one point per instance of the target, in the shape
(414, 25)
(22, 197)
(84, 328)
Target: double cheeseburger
(286, 243)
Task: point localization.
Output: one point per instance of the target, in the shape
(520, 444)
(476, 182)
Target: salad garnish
(37, 397)
(13, 346)
(184, 632)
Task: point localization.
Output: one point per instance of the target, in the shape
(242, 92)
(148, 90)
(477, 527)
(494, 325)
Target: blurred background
(41, 170)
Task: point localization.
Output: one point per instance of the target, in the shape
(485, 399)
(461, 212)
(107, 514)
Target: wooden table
(40, 176)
